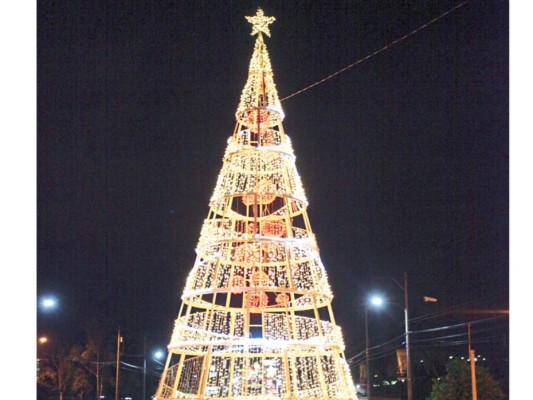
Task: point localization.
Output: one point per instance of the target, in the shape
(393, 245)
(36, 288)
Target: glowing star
(260, 23)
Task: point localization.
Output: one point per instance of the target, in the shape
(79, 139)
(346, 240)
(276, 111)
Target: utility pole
(144, 369)
(405, 289)
(407, 347)
(367, 355)
(117, 381)
(98, 392)
(472, 355)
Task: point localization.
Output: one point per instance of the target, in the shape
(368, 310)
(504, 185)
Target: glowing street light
(427, 299)
(43, 339)
(405, 290)
(48, 303)
(375, 301)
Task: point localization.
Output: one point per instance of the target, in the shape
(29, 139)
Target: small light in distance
(43, 339)
(158, 354)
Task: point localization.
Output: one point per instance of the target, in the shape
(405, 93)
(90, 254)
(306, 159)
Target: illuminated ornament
(257, 118)
(248, 253)
(268, 138)
(273, 251)
(237, 282)
(259, 278)
(264, 193)
(282, 299)
(274, 228)
(259, 121)
(295, 269)
(251, 229)
(257, 301)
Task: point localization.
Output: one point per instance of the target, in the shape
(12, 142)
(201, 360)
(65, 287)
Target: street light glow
(48, 303)
(376, 300)
(158, 354)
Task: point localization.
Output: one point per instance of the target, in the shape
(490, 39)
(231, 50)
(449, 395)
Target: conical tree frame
(256, 318)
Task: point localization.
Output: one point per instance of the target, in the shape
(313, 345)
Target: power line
(439, 341)
(456, 335)
(377, 51)
(456, 309)
(377, 346)
(490, 339)
(460, 325)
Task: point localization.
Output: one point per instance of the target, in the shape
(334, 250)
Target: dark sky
(404, 157)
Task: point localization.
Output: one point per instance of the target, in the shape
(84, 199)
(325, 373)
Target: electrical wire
(455, 309)
(460, 334)
(460, 325)
(377, 346)
(376, 52)
(491, 339)
(380, 351)
(423, 331)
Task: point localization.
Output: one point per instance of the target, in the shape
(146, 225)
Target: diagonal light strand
(376, 52)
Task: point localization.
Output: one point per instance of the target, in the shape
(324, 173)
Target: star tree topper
(260, 22)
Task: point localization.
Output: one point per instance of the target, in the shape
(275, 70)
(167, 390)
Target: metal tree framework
(256, 318)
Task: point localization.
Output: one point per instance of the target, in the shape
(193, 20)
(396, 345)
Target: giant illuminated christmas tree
(256, 318)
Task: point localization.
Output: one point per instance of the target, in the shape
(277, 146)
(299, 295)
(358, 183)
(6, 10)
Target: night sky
(404, 157)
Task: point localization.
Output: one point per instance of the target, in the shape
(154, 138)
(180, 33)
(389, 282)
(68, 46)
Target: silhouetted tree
(60, 369)
(97, 353)
(456, 384)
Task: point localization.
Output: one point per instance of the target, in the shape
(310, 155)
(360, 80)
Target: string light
(244, 328)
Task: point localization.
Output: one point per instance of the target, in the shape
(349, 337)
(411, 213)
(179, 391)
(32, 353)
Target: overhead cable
(377, 51)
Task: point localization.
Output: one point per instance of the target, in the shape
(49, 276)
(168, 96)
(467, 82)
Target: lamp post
(405, 290)
(117, 374)
(472, 356)
(155, 357)
(366, 355)
(377, 301)
(407, 347)
(144, 368)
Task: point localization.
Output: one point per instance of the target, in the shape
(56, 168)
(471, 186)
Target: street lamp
(405, 290)
(376, 301)
(48, 303)
(156, 356)
(407, 347)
